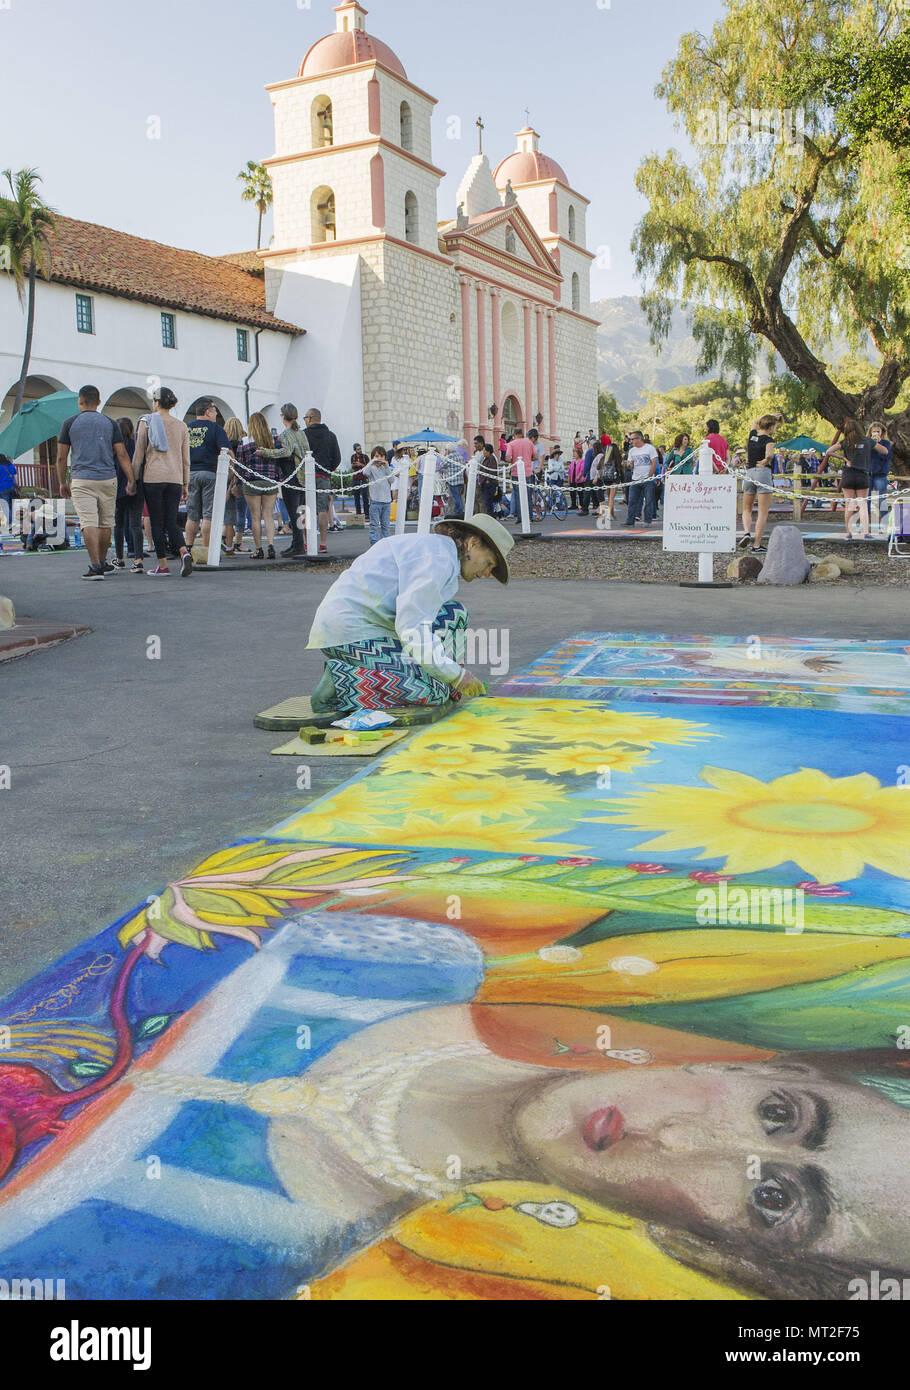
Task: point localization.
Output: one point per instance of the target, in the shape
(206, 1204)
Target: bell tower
(352, 148)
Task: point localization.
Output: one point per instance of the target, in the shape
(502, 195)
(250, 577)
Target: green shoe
(324, 699)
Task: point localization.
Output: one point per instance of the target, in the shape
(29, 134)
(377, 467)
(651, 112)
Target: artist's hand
(65, 490)
(469, 685)
(131, 488)
(183, 494)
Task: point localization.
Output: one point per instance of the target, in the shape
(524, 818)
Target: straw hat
(493, 534)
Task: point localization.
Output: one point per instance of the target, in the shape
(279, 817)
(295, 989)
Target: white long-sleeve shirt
(396, 588)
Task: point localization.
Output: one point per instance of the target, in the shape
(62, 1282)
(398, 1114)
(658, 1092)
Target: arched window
(576, 292)
(571, 223)
(510, 323)
(407, 127)
(321, 123)
(511, 241)
(511, 414)
(322, 215)
(410, 218)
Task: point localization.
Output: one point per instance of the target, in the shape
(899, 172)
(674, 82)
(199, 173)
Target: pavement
(132, 750)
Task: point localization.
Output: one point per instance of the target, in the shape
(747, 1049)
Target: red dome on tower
(349, 44)
(526, 164)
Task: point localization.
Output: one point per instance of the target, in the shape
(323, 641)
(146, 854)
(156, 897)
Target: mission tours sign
(700, 512)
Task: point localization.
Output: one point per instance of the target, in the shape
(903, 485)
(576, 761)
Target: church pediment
(505, 231)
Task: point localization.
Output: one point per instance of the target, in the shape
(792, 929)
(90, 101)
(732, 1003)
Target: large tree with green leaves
(257, 189)
(26, 223)
(783, 217)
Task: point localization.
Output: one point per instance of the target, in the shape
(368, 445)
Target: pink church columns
(538, 315)
(551, 372)
(497, 381)
(482, 402)
(466, 351)
(377, 191)
(529, 375)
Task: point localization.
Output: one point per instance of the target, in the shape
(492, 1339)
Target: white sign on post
(700, 512)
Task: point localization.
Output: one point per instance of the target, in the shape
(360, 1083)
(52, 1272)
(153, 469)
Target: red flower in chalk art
(529, 858)
(823, 890)
(649, 868)
(705, 876)
(460, 859)
(577, 862)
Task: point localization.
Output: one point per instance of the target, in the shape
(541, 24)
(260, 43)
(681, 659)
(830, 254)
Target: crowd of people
(150, 488)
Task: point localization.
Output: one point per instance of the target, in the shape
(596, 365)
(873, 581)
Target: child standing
(379, 473)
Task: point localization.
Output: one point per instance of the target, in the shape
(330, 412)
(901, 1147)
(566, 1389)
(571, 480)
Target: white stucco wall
(325, 368)
(125, 351)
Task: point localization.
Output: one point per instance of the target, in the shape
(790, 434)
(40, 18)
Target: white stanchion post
(427, 493)
(311, 529)
(472, 488)
(401, 494)
(222, 474)
(705, 558)
(523, 498)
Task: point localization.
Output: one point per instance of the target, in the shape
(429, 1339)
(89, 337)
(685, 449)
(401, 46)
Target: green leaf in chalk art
(86, 1066)
(153, 1025)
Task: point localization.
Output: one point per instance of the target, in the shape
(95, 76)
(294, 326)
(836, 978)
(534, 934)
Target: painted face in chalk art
(772, 1153)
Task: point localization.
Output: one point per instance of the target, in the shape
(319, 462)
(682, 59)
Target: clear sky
(83, 83)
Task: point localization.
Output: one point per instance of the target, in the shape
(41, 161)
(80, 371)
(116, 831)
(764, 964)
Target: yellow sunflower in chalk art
(445, 761)
(830, 826)
(584, 760)
(488, 812)
(503, 724)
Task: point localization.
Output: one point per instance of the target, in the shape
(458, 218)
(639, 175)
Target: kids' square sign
(700, 512)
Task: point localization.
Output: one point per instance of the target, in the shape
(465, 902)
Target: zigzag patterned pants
(379, 674)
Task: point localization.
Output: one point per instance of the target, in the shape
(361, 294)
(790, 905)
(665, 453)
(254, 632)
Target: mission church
(364, 303)
(480, 322)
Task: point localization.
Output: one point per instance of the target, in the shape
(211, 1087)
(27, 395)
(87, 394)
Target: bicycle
(548, 500)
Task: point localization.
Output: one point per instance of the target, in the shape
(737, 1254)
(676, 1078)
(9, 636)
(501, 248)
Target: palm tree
(25, 225)
(257, 188)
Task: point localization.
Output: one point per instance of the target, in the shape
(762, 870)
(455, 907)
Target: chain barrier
(499, 475)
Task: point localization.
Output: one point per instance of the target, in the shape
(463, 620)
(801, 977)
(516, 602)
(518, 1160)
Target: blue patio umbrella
(37, 422)
(429, 436)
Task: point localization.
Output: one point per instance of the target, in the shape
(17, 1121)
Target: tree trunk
(29, 332)
(259, 231)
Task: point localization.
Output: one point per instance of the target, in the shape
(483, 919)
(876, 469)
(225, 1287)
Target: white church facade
(365, 303)
(474, 324)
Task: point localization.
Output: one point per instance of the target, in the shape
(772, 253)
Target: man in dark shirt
(207, 439)
(359, 462)
(327, 453)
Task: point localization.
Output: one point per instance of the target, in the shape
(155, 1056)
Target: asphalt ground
(132, 758)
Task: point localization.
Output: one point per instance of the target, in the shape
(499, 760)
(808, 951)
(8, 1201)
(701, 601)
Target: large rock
(786, 561)
(823, 571)
(744, 567)
(7, 613)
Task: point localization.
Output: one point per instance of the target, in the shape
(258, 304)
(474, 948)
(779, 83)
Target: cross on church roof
(527, 116)
(480, 130)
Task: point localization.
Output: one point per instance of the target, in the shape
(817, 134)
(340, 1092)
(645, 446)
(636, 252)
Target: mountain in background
(629, 366)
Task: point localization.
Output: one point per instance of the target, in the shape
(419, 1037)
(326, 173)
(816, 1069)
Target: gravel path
(646, 562)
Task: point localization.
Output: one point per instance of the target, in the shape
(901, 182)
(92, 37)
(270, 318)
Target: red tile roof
(99, 258)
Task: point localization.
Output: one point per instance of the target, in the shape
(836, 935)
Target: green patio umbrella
(802, 441)
(37, 422)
